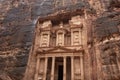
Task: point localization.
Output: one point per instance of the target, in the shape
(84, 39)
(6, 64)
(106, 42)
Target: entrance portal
(60, 72)
(59, 68)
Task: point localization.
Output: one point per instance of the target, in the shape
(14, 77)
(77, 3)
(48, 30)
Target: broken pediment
(46, 24)
(76, 21)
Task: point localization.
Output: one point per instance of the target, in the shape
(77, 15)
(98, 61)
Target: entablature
(59, 49)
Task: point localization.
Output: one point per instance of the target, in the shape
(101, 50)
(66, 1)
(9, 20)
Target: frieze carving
(76, 38)
(44, 40)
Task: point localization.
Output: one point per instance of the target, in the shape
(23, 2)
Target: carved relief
(44, 40)
(60, 39)
(76, 30)
(53, 40)
(67, 39)
(75, 38)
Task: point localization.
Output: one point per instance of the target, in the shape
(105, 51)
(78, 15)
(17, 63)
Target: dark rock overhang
(115, 3)
(64, 12)
(62, 15)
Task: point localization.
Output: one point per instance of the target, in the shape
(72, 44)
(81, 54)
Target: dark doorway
(60, 72)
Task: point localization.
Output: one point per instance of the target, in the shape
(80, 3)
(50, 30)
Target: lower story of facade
(60, 66)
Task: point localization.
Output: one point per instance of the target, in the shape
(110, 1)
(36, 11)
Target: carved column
(52, 68)
(80, 36)
(64, 64)
(45, 69)
(81, 66)
(72, 68)
(48, 39)
(63, 43)
(37, 68)
(71, 37)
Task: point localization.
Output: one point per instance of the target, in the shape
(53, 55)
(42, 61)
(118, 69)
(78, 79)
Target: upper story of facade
(68, 32)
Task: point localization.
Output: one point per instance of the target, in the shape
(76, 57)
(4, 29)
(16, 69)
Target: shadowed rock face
(107, 25)
(17, 23)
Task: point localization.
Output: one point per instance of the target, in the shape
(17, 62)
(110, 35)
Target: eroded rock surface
(17, 23)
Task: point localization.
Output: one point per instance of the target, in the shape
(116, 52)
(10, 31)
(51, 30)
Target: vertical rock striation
(17, 23)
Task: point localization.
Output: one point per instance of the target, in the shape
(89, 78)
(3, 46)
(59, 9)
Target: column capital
(81, 55)
(64, 56)
(38, 57)
(46, 57)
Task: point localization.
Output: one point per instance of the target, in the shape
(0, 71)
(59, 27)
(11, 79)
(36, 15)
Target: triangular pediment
(59, 49)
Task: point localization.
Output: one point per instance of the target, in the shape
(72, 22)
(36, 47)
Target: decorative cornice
(76, 26)
(62, 29)
(63, 50)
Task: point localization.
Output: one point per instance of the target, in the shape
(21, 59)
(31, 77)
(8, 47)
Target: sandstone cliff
(17, 23)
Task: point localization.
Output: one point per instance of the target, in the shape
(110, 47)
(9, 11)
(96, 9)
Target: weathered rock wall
(17, 23)
(106, 41)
